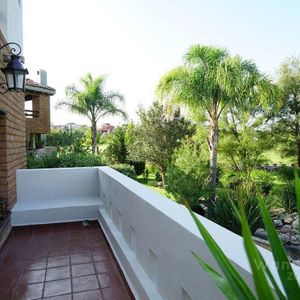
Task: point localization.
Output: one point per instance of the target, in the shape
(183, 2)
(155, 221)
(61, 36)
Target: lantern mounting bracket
(15, 73)
(3, 88)
(13, 51)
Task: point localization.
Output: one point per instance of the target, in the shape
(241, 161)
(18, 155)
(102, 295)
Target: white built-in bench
(56, 195)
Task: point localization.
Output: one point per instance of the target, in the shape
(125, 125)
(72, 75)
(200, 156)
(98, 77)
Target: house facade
(14, 126)
(37, 110)
(12, 145)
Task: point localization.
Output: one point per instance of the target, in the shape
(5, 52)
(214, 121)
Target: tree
(93, 102)
(156, 137)
(244, 139)
(209, 81)
(188, 173)
(287, 118)
(72, 141)
(116, 151)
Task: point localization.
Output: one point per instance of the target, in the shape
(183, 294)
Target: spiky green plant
(232, 285)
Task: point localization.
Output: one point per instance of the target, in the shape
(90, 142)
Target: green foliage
(73, 141)
(285, 173)
(63, 160)
(231, 284)
(93, 102)
(232, 179)
(210, 81)
(116, 151)
(220, 210)
(139, 167)
(244, 139)
(263, 180)
(188, 173)
(125, 169)
(284, 197)
(286, 125)
(157, 136)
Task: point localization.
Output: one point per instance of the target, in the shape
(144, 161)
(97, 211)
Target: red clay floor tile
(58, 287)
(101, 255)
(115, 293)
(6, 293)
(58, 273)
(89, 295)
(105, 266)
(83, 269)
(37, 264)
(62, 297)
(81, 258)
(110, 280)
(29, 292)
(33, 276)
(8, 280)
(59, 262)
(85, 283)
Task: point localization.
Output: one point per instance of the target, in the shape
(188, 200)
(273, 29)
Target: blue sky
(134, 42)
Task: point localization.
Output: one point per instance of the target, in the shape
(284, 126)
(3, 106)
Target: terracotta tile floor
(60, 262)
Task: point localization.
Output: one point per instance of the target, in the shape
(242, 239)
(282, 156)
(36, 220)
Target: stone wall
(12, 138)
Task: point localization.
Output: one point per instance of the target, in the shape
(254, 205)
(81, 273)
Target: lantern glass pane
(10, 80)
(19, 80)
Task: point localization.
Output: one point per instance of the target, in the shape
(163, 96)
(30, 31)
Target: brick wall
(40, 103)
(12, 138)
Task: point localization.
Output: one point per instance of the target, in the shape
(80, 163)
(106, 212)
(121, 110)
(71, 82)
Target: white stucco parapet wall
(11, 20)
(151, 236)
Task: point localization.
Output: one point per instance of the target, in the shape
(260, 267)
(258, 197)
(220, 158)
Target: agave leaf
(284, 268)
(297, 187)
(272, 279)
(262, 261)
(219, 280)
(237, 283)
(262, 286)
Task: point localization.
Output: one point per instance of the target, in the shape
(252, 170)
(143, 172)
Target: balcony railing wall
(151, 236)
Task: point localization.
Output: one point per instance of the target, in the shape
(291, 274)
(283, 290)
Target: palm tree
(209, 81)
(93, 102)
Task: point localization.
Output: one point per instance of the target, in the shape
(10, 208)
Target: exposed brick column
(12, 138)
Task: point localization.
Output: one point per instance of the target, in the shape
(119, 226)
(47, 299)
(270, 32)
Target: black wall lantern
(15, 73)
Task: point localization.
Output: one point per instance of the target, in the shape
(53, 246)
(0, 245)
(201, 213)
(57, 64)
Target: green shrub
(231, 283)
(125, 169)
(139, 167)
(284, 197)
(72, 141)
(285, 173)
(188, 173)
(220, 210)
(263, 180)
(232, 179)
(63, 160)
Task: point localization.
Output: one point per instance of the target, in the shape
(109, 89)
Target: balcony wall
(151, 236)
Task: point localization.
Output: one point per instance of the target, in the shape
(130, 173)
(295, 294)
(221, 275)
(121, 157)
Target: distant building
(68, 126)
(37, 109)
(106, 128)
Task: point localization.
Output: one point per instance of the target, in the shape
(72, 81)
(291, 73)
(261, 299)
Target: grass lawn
(150, 183)
(273, 157)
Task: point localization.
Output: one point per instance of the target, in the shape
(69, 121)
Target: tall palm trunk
(94, 136)
(213, 141)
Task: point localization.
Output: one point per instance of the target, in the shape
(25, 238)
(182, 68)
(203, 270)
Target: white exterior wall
(152, 237)
(11, 20)
(157, 236)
